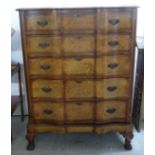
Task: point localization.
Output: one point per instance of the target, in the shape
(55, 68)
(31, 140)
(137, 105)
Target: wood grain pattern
(82, 65)
(45, 66)
(113, 128)
(79, 20)
(113, 65)
(79, 129)
(82, 89)
(42, 128)
(54, 88)
(44, 44)
(48, 111)
(77, 111)
(111, 110)
(78, 44)
(45, 128)
(123, 43)
(43, 21)
(115, 20)
(120, 85)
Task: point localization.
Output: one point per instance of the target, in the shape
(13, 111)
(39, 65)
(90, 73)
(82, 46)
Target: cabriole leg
(128, 136)
(31, 143)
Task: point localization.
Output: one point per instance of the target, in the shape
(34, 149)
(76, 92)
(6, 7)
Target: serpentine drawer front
(45, 66)
(43, 111)
(79, 70)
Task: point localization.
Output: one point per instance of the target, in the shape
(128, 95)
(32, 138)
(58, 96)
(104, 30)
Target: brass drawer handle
(113, 65)
(111, 110)
(112, 88)
(76, 15)
(113, 43)
(46, 89)
(43, 45)
(78, 81)
(61, 30)
(79, 103)
(45, 66)
(42, 23)
(78, 59)
(48, 111)
(78, 37)
(114, 21)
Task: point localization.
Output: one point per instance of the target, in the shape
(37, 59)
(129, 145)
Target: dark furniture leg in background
(20, 93)
(15, 100)
(138, 90)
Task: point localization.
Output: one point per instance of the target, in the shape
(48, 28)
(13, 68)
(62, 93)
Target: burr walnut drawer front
(79, 19)
(44, 44)
(79, 112)
(78, 66)
(79, 89)
(113, 65)
(42, 21)
(111, 110)
(78, 44)
(113, 43)
(110, 20)
(45, 66)
(42, 88)
(48, 111)
(113, 88)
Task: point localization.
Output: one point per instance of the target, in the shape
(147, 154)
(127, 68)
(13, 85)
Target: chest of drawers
(79, 70)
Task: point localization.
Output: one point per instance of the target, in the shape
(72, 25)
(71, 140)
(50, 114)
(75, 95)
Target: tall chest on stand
(79, 70)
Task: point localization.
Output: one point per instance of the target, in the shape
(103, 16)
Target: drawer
(79, 19)
(79, 89)
(43, 21)
(113, 65)
(110, 20)
(78, 66)
(113, 88)
(110, 110)
(79, 44)
(113, 43)
(44, 44)
(48, 111)
(45, 66)
(79, 111)
(47, 88)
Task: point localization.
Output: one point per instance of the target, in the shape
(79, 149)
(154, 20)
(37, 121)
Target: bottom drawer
(48, 112)
(79, 112)
(110, 111)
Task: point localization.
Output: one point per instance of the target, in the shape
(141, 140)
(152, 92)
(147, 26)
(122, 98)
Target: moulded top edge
(61, 8)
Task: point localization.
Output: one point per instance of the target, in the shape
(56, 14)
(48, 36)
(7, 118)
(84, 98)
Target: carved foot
(31, 144)
(128, 145)
(128, 136)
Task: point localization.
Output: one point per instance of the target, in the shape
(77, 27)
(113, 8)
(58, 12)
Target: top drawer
(42, 21)
(114, 20)
(79, 19)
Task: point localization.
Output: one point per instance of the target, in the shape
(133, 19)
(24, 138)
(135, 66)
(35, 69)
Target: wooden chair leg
(21, 94)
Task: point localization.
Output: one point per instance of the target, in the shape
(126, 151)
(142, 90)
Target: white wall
(16, 54)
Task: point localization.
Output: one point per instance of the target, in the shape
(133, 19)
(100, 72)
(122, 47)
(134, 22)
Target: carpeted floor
(74, 144)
